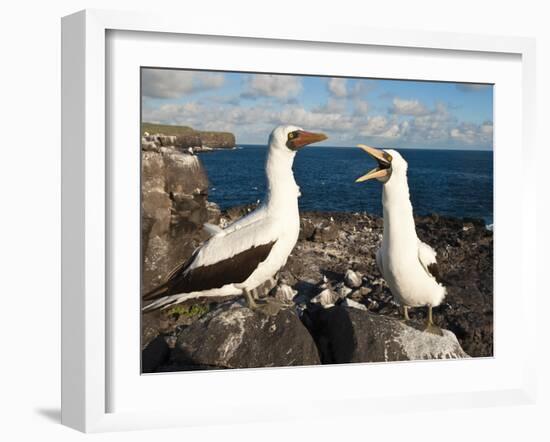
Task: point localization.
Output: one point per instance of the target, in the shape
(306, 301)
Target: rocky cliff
(174, 207)
(218, 140)
(184, 137)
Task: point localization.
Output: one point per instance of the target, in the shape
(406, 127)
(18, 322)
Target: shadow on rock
(333, 333)
(345, 335)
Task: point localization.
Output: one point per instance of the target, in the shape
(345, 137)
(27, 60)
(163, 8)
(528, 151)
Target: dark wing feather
(427, 258)
(163, 289)
(433, 269)
(234, 270)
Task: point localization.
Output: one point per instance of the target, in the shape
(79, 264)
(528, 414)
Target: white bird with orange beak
(250, 251)
(407, 264)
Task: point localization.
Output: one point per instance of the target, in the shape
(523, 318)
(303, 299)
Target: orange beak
(304, 138)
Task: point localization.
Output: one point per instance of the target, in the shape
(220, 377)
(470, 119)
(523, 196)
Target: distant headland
(185, 137)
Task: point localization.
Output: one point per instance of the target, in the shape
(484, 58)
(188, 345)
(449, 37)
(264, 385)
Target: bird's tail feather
(170, 300)
(156, 293)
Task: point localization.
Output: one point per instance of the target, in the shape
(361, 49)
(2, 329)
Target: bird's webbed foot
(430, 326)
(433, 329)
(268, 306)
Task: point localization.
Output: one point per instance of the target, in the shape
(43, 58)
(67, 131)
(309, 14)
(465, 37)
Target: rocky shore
(338, 308)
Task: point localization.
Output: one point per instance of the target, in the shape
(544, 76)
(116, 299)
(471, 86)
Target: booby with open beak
(407, 264)
(248, 252)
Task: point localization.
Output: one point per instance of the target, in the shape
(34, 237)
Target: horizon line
(477, 149)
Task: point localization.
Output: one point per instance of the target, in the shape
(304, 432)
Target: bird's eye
(291, 135)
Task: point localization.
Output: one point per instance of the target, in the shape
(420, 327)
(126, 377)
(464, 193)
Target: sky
(379, 112)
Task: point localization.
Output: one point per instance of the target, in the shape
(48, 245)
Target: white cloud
(338, 87)
(487, 128)
(473, 134)
(166, 83)
(333, 121)
(432, 126)
(282, 87)
(344, 125)
(211, 81)
(381, 127)
(374, 126)
(436, 127)
(408, 107)
(361, 107)
(246, 118)
(341, 96)
(332, 105)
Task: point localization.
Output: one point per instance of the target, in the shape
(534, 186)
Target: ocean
(456, 183)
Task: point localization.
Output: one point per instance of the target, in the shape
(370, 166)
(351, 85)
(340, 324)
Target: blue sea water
(448, 182)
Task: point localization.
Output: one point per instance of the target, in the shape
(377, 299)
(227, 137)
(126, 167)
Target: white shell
(342, 290)
(353, 279)
(284, 293)
(353, 304)
(326, 298)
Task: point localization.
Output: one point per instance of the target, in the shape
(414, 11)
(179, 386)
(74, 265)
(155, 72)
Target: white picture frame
(87, 211)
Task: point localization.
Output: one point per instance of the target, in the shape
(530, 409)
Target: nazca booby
(407, 264)
(248, 252)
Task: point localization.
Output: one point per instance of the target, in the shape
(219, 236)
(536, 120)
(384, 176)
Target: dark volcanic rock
(234, 336)
(174, 189)
(234, 213)
(174, 209)
(465, 259)
(325, 231)
(154, 355)
(351, 335)
(307, 229)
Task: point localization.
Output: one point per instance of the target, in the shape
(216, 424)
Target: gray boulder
(174, 208)
(234, 336)
(351, 335)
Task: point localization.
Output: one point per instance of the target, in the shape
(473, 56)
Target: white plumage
(407, 264)
(251, 250)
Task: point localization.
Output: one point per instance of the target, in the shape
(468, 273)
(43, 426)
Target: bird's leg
(268, 307)
(430, 326)
(250, 302)
(406, 313)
